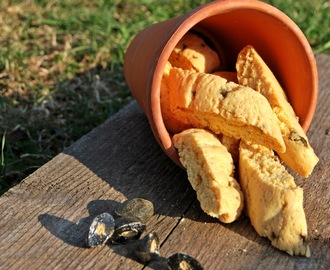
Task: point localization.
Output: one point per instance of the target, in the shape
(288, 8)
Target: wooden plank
(45, 218)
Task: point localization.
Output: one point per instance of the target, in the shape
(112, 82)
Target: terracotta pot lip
(188, 21)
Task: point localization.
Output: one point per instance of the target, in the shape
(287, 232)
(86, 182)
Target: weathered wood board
(44, 219)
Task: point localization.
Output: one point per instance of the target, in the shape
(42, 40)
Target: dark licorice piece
(181, 261)
(100, 230)
(137, 207)
(127, 229)
(147, 248)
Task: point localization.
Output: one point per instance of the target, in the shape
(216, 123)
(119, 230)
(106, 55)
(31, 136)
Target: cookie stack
(222, 120)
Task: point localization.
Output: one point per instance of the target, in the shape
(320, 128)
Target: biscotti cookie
(211, 102)
(252, 71)
(192, 53)
(210, 171)
(231, 143)
(174, 123)
(273, 202)
(164, 93)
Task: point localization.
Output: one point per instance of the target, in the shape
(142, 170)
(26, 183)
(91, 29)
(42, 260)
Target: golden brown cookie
(192, 53)
(209, 101)
(170, 117)
(252, 71)
(273, 202)
(210, 171)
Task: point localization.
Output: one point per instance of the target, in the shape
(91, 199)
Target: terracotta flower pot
(229, 25)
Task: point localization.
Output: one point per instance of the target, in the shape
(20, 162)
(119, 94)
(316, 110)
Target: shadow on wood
(72, 233)
(67, 231)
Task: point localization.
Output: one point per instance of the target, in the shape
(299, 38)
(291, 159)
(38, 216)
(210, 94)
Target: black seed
(181, 261)
(147, 248)
(127, 229)
(137, 207)
(100, 230)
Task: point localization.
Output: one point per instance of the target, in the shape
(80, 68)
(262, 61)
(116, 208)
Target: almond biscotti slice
(210, 171)
(174, 123)
(209, 101)
(252, 71)
(273, 202)
(192, 53)
(231, 143)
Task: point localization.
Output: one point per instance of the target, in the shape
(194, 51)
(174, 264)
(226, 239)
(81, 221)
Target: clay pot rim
(191, 19)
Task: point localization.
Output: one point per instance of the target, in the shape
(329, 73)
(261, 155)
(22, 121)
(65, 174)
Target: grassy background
(61, 68)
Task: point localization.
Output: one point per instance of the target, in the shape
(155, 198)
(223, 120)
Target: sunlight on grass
(312, 17)
(3, 141)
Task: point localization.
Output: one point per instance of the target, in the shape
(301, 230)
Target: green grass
(61, 68)
(313, 17)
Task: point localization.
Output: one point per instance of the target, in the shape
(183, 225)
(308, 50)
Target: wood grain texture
(44, 220)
